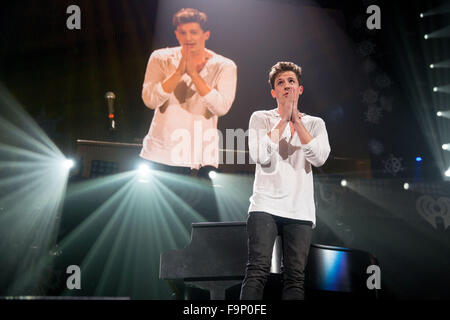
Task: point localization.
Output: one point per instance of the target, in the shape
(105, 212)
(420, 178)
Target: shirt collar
(277, 115)
(207, 65)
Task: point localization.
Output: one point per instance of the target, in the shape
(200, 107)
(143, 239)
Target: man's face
(191, 36)
(286, 87)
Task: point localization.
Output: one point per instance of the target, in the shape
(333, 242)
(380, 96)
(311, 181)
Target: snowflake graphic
(383, 81)
(386, 104)
(366, 48)
(373, 114)
(393, 165)
(376, 147)
(368, 65)
(370, 96)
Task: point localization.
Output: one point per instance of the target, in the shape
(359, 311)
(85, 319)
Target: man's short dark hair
(283, 66)
(187, 15)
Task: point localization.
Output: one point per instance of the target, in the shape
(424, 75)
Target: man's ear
(300, 89)
(273, 93)
(207, 35)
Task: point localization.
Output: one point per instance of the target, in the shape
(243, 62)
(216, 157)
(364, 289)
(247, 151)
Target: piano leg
(217, 288)
(177, 287)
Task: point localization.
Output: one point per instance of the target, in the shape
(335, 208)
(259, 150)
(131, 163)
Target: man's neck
(278, 109)
(199, 55)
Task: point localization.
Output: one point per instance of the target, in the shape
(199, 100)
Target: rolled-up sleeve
(261, 147)
(318, 149)
(221, 97)
(153, 94)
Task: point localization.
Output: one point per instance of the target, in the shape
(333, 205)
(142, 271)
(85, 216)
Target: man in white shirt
(189, 87)
(285, 144)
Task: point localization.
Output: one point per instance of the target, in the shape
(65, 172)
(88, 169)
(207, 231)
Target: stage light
(443, 89)
(447, 173)
(68, 164)
(441, 64)
(143, 169)
(425, 37)
(421, 15)
(143, 172)
(406, 186)
(343, 182)
(418, 159)
(440, 33)
(445, 146)
(431, 66)
(443, 114)
(212, 175)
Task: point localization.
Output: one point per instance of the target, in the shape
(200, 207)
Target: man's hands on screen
(182, 65)
(191, 67)
(187, 63)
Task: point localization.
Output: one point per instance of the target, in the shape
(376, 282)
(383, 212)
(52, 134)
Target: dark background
(60, 77)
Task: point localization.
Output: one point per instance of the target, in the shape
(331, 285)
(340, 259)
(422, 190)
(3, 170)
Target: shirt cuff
(210, 100)
(310, 147)
(269, 144)
(160, 92)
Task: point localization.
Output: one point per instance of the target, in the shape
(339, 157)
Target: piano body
(216, 257)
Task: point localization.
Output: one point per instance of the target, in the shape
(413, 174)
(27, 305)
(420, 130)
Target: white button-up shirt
(284, 183)
(183, 131)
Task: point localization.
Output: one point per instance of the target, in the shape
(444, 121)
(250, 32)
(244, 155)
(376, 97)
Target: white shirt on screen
(183, 131)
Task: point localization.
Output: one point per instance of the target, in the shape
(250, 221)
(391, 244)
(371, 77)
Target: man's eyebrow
(288, 78)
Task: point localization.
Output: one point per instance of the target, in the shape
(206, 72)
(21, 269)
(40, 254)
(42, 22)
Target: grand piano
(214, 262)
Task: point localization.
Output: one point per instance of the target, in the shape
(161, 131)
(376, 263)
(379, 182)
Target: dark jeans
(171, 169)
(203, 172)
(262, 229)
(200, 197)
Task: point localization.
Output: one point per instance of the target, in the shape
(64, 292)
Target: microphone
(110, 97)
